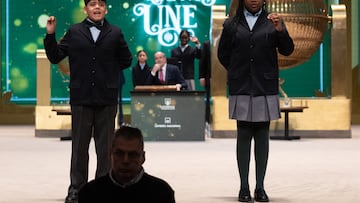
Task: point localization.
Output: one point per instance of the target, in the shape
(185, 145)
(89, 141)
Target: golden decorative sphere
(306, 22)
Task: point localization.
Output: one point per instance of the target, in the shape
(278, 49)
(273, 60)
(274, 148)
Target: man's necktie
(161, 76)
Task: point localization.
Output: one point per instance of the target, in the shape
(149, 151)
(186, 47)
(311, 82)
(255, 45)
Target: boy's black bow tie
(98, 25)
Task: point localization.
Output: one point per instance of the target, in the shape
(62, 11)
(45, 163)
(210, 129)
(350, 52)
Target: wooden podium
(155, 88)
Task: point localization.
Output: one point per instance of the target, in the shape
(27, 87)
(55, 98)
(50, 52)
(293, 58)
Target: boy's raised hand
(51, 25)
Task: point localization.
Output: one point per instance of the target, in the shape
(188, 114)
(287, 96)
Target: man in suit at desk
(165, 74)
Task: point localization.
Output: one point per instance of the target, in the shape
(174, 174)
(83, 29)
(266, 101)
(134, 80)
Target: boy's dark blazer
(94, 66)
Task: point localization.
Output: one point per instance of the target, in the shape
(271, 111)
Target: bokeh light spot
(152, 44)
(17, 22)
(81, 4)
(42, 20)
(40, 40)
(18, 83)
(78, 15)
(126, 5)
(15, 72)
(139, 47)
(30, 48)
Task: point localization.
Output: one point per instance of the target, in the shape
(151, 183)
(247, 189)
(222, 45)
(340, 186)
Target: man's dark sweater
(149, 189)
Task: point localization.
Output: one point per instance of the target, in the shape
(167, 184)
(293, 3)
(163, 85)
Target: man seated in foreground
(127, 180)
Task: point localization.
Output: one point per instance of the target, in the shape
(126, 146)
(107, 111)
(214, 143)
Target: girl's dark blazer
(250, 56)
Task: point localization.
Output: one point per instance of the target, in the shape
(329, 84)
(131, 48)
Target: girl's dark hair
(240, 9)
(185, 31)
(234, 21)
(140, 52)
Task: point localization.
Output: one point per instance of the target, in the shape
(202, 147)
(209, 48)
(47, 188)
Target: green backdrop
(152, 25)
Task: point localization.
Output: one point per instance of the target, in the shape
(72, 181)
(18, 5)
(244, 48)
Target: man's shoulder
(104, 180)
(95, 190)
(170, 66)
(173, 69)
(155, 181)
